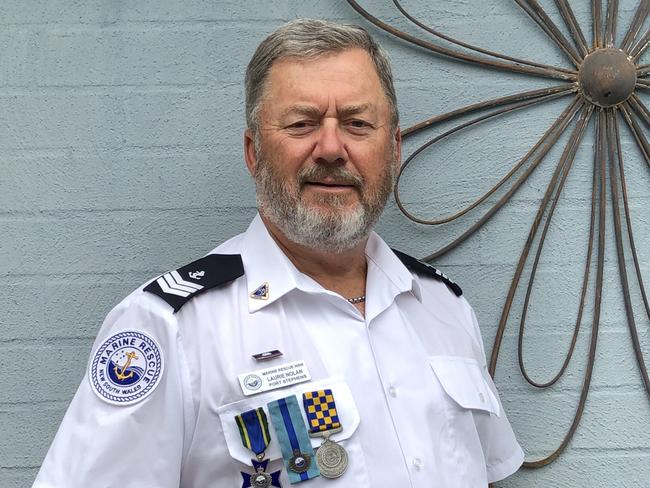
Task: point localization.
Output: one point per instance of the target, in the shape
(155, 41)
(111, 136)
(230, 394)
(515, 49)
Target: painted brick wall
(120, 157)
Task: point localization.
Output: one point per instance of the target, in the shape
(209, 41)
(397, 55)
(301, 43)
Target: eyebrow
(315, 112)
(308, 110)
(353, 110)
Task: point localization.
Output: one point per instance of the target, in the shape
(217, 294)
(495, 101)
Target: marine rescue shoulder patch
(181, 285)
(417, 265)
(126, 368)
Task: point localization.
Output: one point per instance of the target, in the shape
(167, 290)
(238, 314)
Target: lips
(331, 184)
(325, 177)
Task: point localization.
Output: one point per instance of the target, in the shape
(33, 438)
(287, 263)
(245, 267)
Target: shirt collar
(384, 267)
(270, 274)
(267, 268)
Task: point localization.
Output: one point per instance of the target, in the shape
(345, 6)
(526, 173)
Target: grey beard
(325, 230)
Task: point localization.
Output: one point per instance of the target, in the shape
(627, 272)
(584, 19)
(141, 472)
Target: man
(199, 378)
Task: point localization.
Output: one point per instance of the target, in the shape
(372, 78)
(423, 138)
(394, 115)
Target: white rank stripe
(174, 284)
(273, 377)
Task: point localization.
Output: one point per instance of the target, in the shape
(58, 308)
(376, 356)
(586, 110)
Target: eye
(359, 126)
(300, 127)
(358, 123)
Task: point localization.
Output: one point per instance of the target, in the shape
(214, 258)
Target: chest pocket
(466, 399)
(463, 381)
(356, 473)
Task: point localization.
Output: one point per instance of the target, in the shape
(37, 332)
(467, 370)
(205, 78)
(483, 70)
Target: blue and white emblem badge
(126, 368)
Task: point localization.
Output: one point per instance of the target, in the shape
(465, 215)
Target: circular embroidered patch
(126, 368)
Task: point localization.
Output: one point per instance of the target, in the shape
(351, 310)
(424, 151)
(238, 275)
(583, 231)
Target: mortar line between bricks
(111, 89)
(46, 341)
(506, 391)
(122, 148)
(18, 406)
(136, 273)
(127, 25)
(75, 213)
(610, 451)
(95, 211)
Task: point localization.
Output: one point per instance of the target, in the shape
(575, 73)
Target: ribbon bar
(321, 412)
(254, 430)
(297, 452)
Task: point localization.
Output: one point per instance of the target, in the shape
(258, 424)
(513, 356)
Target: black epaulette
(417, 265)
(179, 286)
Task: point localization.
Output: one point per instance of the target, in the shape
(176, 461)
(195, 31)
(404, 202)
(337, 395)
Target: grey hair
(309, 39)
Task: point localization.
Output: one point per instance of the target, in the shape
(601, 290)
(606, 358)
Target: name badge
(274, 377)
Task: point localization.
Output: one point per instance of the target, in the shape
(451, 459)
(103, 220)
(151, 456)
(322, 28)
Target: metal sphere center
(607, 77)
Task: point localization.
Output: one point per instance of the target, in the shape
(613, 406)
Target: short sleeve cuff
(505, 468)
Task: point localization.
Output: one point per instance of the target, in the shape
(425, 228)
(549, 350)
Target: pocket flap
(345, 406)
(462, 379)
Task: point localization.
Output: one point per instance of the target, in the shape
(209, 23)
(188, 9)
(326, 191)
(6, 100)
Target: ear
(250, 154)
(398, 148)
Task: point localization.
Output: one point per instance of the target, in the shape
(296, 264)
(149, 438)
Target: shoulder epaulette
(181, 285)
(417, 265)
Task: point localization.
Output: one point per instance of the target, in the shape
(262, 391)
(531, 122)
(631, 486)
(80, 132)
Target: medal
(323, 419)
(294, 441)
(254, 432)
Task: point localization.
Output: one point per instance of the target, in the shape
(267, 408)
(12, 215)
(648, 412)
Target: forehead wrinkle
(299, 109)
(348, 110)
(315, 112)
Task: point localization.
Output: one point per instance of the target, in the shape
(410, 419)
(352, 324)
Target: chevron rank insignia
(181, 285)
(417, 265)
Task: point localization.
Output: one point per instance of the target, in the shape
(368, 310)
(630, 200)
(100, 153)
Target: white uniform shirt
(410, 381)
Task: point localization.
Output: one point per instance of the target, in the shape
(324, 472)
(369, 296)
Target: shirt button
(417, 463)
(392, 391)
(482, 397)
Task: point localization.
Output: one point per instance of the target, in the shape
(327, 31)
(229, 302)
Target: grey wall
(120, 157)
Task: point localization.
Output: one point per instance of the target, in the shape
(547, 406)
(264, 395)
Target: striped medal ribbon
(255, 436)
(323, 420)
(294, 441)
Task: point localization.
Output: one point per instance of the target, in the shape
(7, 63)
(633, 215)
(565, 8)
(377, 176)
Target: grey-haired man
(216, 373)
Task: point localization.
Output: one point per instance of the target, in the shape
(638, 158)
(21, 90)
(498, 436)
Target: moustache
(339, 175)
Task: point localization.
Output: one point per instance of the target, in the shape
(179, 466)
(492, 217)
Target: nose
(330, 146)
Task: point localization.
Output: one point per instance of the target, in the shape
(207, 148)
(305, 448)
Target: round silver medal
(300, 462)
(332, 459)
(261, 480)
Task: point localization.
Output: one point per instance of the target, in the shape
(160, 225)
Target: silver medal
(261, 480)
(300, 462)
(332, 459)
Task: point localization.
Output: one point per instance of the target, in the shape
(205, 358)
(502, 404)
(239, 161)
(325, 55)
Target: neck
(343, 272)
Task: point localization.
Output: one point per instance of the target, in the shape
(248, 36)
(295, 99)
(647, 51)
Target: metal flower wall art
(602, 90)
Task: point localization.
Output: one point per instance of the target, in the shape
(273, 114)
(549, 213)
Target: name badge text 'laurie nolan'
(274, 377)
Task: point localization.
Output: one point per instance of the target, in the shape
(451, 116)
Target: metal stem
(535, 12)
(640, 46)
(409, 160)
(640, 15)
(639, 109)
(528, 95)
(610, 25)
(549, 138)
(596, 23)
(641, 140)
(599, 162)
(614, 152)
(471, 46)
(628, 220)
(507, 66)
(555, 189)
(573, 25)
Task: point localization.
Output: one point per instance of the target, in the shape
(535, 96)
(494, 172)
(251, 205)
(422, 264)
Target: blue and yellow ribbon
(321, 411)
(254, 430)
